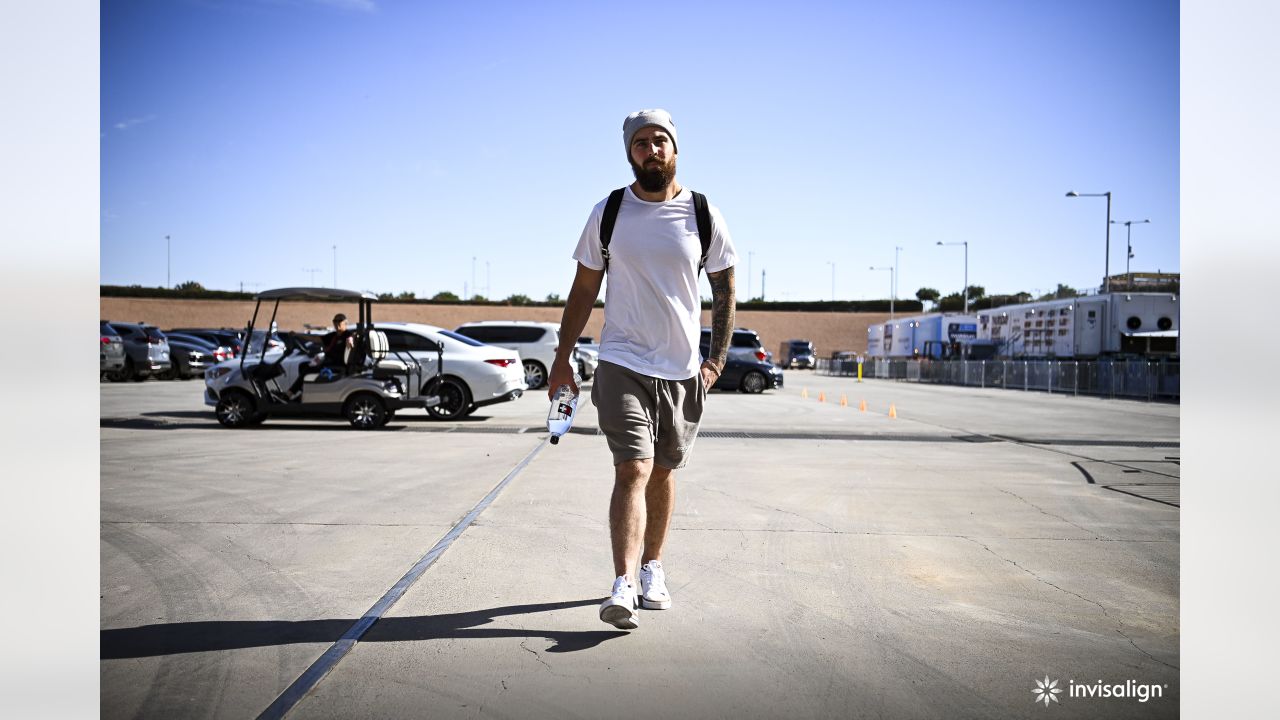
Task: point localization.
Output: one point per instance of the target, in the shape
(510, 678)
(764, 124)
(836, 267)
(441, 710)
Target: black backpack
(701, 213)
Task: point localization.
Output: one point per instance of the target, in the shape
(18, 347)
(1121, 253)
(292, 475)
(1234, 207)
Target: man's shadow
(187, 637)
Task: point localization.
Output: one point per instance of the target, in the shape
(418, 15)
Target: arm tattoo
(723, 306)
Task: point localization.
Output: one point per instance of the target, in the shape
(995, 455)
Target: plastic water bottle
(564, 403)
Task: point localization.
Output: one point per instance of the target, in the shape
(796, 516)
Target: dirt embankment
(828, 331)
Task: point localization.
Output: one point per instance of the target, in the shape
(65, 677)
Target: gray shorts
(646, 417)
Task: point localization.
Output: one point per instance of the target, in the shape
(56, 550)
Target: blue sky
(417, 136)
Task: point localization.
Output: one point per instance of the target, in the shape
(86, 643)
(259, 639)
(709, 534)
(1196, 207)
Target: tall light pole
(335, 267)
(833, 279)
(1107, 266)
(896, 274)
(313, 272)
(892, 282)
(1128, 244)
(167, 280)
(965, 291)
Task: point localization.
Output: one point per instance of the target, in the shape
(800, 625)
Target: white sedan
(474, 374)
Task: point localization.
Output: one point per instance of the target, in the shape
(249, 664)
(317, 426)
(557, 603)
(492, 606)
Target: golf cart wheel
(365, 411)
(754, 382)
(535, 375)
(455, 399)
(235, 409)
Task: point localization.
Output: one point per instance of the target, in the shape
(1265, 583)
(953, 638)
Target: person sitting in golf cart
(336, 343)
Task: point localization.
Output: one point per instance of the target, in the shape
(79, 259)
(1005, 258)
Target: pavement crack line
(1101, 607)
(1046, 512)
(319, 669)
(768, 507)
(536, 656)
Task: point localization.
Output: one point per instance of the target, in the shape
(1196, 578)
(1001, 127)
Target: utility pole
(762, 271)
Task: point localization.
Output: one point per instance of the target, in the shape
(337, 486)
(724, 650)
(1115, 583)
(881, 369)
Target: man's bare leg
(660, 501)
(627, 513)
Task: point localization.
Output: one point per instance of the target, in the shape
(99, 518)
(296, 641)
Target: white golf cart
(367, 387)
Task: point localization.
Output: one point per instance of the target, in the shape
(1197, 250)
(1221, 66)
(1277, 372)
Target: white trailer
(1091, 326)
(918, 335)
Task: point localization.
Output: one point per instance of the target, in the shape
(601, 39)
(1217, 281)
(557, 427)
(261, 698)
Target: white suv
(535, 341)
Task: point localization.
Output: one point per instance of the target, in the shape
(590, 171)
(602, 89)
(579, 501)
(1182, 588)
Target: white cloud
(131, 122)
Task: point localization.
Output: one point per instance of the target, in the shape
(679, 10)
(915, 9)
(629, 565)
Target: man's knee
(633, 473)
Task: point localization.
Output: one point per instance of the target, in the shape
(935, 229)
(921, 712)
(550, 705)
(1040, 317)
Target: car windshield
(461, 338)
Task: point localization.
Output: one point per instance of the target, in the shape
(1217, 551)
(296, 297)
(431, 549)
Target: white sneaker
(653, 587)
(620, 609)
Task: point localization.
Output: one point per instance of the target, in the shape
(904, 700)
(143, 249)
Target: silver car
(110, 349)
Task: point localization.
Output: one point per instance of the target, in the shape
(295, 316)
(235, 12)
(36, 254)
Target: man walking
(651, 237)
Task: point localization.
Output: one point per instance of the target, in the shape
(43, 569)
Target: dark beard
(655, 179)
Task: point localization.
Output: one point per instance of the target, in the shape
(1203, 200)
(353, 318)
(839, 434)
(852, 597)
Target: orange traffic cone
(844, 401)
(822, 397)
(862, 406)
(893, 412)
(804, 393)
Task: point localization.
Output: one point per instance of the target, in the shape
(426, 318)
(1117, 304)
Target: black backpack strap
(607, 222)
(702, 214)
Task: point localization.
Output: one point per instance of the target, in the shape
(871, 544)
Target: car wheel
(535, 375)
(122, 374)
(455, 399)
(754, 382)
(173, 373)
(390, 415)
(236, 409)
(365, 411)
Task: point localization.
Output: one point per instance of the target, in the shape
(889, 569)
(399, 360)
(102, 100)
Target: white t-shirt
(652, 311)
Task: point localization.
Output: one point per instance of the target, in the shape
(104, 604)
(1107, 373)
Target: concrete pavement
(824, 562)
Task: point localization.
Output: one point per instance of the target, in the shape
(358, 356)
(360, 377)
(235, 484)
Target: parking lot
(824, 561)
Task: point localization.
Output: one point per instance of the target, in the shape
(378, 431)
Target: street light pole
(965, 291)
(896, 274)
(892, 282)
(1128, 243)
(313, 272)
(1107, 266)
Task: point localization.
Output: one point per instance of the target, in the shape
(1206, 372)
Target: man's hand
(561, 374)
(351, 341)
(710, 373)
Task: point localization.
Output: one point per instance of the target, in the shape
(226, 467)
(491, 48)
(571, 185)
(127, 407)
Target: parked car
(535, 341)
(146, 351)
(472, 374)
(588, 361)
(797, 353)
(217, 352)
(191, 357)
(748, 376)
(232, 340)
(110, 349)
(745, 345)
(366, 385)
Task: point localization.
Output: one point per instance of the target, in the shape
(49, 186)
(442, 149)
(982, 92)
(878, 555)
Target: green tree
(445, 296)
(190, 286)
(519, 299)
(928, 294)
(407, 295)
(479, 299)
(554, 299)
(976, 292)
